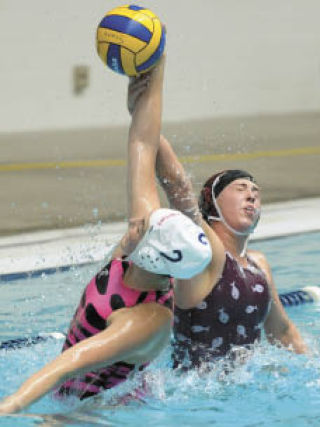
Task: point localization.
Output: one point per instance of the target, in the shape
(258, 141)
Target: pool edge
(45, 252)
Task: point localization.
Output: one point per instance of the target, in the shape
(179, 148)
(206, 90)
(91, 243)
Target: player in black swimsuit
(232, 314)
(239, 295)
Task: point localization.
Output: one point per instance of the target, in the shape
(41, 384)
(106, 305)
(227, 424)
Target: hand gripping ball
(130, 40)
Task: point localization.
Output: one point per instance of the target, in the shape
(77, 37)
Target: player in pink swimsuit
(125, 316)
(105, 294)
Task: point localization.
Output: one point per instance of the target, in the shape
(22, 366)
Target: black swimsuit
(231, 315)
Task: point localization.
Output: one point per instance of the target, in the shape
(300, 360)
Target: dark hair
(205, 201)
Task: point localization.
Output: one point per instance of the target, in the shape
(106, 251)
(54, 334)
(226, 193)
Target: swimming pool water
(273, 388)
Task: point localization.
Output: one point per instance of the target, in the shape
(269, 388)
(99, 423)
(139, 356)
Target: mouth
(250, 211)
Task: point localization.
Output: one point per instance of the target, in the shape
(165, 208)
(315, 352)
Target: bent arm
(279, 329)
(179, 191)
(175, 182)
(135, 335)
(190, 292)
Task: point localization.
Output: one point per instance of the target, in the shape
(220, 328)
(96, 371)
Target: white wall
(225, 57)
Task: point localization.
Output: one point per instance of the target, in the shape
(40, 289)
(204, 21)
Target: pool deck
(33, 253)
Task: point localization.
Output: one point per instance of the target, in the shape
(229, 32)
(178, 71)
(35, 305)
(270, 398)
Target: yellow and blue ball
(130, 40)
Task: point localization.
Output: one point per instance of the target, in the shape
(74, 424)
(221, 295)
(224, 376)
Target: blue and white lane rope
(309, 294)
(301, 296)
(29, 341)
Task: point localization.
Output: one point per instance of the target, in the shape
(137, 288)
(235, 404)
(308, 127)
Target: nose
(251, 197)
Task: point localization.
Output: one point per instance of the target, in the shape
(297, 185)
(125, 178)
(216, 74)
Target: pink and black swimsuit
(103, 295)
(231, 315)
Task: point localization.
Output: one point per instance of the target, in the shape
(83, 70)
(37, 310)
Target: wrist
(10, 405)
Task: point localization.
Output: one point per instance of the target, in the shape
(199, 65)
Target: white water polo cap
(173, 245)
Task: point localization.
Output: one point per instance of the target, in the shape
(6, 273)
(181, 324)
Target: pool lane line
(301, 296)
(22, 275)
(47, 271)
(16, 343)
(201, 158)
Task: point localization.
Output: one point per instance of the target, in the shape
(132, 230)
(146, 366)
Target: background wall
(225, 57)
(242, 90)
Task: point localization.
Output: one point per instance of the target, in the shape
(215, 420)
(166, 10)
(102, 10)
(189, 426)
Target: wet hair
(206, 205)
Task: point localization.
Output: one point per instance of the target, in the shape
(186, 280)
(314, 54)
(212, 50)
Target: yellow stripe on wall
(15, 167)
(206, 158)
(252, 155)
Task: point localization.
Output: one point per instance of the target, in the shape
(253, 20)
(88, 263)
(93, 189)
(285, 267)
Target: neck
(233, 243)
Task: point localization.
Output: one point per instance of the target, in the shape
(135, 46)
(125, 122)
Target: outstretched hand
(137, 85)
(9, 405)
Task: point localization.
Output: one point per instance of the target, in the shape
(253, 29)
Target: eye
(242, 187)
(256, 190)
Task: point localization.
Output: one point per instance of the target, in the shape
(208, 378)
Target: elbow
(289, 337)
(186, 303)
(277, 334)
(182, 305)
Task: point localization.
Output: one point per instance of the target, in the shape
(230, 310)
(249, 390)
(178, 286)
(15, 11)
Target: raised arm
(175, 182)
(143, 146)
(145, 106)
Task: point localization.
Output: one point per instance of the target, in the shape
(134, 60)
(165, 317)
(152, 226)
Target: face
(240, 204)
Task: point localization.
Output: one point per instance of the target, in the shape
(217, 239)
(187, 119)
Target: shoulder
(261, 260)
(190, 292)
(214, 240)
(257, 256)
(218, 258)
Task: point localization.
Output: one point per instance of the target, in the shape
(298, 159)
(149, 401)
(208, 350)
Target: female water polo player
(239, 297)
(125, 314)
